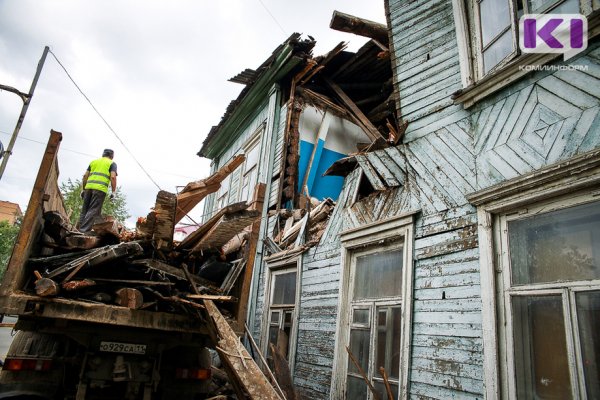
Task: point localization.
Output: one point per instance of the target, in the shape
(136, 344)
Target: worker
(99, 175)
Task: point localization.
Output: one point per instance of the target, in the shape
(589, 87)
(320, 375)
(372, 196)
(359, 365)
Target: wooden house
(462, 256)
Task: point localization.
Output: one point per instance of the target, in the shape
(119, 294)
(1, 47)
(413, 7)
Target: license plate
(117, 347)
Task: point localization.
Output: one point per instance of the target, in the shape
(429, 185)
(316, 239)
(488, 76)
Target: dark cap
(108, 153)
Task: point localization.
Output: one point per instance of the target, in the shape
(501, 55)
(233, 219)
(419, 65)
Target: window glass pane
(542, 6)
(378, 275)
(356, 389)
(381, 390)
(568, 7)
(388, 340)
(495, 17)
(360, 316)
(541, 361)
(498, 51)
(562, 245)
(359, 347)
(588, 315)
(252, 157)
(284, 288)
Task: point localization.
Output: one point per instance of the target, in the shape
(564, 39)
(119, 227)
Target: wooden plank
(370, 130)
(282, 373)
(240, 367)
(370, 172)
(242, 309)
(211, 297)
(194, 192)
(226, 228)
(31, 226)
(193, 237)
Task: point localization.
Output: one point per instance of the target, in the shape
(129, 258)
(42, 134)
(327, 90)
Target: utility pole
(26, 97)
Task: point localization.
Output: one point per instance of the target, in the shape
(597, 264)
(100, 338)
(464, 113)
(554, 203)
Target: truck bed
(15, 299)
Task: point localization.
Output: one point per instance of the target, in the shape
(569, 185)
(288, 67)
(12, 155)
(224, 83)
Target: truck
(78, 347)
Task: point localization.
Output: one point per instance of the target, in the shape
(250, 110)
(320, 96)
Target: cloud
(157, 71)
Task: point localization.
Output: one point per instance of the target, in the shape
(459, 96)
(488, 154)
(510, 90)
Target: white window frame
(275, 267)
(222, 197)
(389, 234)
(477, 84)
(253, 143)
(559, 185)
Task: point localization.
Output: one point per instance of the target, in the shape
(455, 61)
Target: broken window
(281, 311)
(551, 295)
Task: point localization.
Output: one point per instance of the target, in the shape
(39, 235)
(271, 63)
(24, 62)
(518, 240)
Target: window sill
(511, 72)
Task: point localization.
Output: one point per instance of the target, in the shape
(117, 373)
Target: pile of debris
(146, 269)
(299, 229)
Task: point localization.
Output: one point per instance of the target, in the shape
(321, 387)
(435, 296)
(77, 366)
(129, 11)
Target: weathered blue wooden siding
(451, 152)
(448, 153)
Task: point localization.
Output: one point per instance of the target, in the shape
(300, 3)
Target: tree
(8, 236)
(71, 192)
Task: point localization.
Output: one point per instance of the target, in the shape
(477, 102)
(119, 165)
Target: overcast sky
(156, 70)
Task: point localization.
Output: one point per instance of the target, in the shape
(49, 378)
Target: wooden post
(30, 228)
(242, 309)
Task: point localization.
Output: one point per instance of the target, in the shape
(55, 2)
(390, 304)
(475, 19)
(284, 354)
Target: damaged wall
(335, 138)
(448, 153)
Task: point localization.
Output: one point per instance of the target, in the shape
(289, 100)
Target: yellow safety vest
(99, 177)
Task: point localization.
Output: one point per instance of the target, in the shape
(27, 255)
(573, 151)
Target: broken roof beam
(194, 192)
(359, 26)
(361, 119)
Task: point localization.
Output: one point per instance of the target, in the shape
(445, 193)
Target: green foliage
(71, 192)
(8, 236)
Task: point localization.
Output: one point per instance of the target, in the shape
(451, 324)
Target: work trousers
(92, 208)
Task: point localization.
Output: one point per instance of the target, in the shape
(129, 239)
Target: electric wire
(104, 120)
(92, 155)
(272, 16)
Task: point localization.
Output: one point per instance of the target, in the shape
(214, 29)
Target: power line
(272, 16)
(103, 119)
(92, 156)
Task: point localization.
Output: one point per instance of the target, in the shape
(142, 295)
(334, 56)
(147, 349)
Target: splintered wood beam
(359, 26)
(193, 237)
(367, 126)
(240, 367)
(242, 309)
(211, 297)
(227, 227)
(164, 227)
(194, 192)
